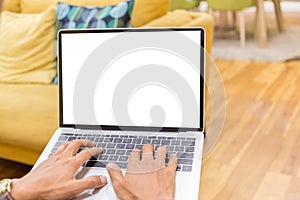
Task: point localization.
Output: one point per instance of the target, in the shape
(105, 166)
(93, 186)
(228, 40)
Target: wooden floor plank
(257, 156)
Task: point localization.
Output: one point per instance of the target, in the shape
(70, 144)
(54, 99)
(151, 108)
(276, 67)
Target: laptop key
(170, 153)
(123, 158)
(113, 158)
(110, 145)
(71, 138)
(191, 138)
(128, 152)
(127, 140)
(139, 146)
(186, 168)
(175, 142)
(99, 139)
(185, 161)
(187, 143)
(120, 146)
(94, 157)
(185, 155)
(96, 164)
(129, 146)
(137, 141)
(103, 151)
(179, 148)
(189, 149)
(103, 157)
(118, 140)
(110, 151)
(102, 145)
(155, 142)
(108, 139)
(170, 148)
(165, 142)
(63, 138)
(120, 152)
(146, 141)
(90, 138)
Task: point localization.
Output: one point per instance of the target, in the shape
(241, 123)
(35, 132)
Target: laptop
(123, 88)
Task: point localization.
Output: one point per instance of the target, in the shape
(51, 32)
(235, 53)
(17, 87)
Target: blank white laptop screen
(149, 101)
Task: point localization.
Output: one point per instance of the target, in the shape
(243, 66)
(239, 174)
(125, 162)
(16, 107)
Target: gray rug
(281, 47)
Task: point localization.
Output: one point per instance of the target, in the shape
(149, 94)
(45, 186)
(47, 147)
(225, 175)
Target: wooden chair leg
(279, 15)
(242, 29)
(223, 20)
(234, 19)
(261, 24)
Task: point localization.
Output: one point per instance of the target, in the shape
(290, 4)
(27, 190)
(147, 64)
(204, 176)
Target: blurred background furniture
(237, 7)
(261, 33)
(183, 4)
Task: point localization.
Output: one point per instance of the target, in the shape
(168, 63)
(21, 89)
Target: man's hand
(146, 178)
(55, 177)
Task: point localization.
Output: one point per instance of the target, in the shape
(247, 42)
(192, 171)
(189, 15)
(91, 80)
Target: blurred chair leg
(223, 20)
(234, 19)
(279, 15)
(261, 24)
(242, 29)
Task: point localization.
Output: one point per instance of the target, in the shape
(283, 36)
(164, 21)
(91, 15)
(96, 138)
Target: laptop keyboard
(117, 148)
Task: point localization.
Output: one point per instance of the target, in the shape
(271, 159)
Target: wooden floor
(258, 154)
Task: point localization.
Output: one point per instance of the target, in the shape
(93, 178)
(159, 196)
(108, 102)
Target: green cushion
(183, 4)
(230, 4)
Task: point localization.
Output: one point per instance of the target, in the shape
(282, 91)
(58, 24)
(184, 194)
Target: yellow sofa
(29, 112)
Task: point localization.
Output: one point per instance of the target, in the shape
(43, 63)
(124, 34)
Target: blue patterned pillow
(78, 17)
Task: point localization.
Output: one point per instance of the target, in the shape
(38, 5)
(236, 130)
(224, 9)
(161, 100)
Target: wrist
(14, 191)
(19, 191)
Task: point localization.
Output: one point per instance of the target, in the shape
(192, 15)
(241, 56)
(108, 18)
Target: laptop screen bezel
(132, 128)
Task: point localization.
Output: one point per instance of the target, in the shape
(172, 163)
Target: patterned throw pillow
(79, 17)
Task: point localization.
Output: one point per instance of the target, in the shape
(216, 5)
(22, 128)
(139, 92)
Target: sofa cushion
(11, 5)
(143, 12)
(183, 18)
(29, 114)
(27, 48)
(37, 6)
